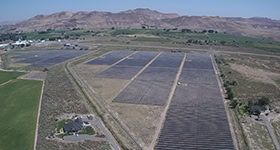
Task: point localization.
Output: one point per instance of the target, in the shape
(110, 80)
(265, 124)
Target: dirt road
(192, 49)
(271, 131)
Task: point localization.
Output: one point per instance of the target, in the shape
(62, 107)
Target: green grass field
(6, 76)
(18, 114)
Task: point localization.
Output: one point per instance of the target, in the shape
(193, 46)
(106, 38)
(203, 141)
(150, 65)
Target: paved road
(108, 137)
(271, 131)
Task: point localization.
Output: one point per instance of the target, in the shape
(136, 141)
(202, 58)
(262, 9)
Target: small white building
(19, 43)
(3, 45)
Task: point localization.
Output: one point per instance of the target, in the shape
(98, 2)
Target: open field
(6, 76)
(18, 114)
(256, 76)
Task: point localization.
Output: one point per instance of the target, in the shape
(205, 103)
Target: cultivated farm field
(18, 113)
(6, 76)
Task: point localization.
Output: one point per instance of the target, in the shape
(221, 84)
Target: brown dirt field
(107, 89)
(35, 75)
(142, 120)
(257, 74)
(89, 71)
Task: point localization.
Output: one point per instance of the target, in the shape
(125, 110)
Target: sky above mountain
(21, 10)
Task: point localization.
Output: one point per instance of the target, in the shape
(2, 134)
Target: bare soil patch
(35, 75)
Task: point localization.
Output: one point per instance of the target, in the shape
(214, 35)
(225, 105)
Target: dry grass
(61, 97)
(259, 138)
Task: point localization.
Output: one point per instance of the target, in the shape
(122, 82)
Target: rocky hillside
(255, 27)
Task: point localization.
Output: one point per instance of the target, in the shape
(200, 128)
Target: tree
(233, 104)
(230, 96)
(203, 31)
(211, 31)
(229, 93)
(263, 101)
(223, 42)
(186, 30)
(250, 103)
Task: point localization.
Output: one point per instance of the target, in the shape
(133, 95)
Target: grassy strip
(146, 39)
(88, 130)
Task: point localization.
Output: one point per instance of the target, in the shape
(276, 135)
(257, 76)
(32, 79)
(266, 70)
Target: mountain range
(255, 27)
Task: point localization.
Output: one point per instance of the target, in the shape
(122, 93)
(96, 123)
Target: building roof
(257, 107)
(73, 126)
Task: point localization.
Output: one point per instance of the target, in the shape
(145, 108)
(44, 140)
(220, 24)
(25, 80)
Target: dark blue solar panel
(110, 58)
(158, 74)
(31, 60)
(46, 58)
(172, 60)
(120, 72)
(138, 59)
(198, 61)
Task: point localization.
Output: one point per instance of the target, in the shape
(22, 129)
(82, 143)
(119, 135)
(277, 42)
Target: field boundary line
(5, 83)
(222, 92)
(38, 116)
(163, 116)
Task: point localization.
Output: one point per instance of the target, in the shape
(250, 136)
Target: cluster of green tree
(74, 29)
(197, 42)
(203, 31)
(12, 36)
(260, 103)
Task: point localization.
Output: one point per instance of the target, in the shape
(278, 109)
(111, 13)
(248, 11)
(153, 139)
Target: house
(254, 108)
(74, 126)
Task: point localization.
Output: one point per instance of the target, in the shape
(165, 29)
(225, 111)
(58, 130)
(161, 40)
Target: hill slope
(255, 27)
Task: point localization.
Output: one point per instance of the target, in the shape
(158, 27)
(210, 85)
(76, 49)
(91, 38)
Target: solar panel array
(152, 86)
(110, 58)
(196, 118)
(129, 67)
(47, 58)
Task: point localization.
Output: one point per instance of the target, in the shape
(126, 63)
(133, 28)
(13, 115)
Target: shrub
(263, 101)
(233, 104)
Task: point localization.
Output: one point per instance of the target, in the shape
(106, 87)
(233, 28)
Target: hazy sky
(24, 9)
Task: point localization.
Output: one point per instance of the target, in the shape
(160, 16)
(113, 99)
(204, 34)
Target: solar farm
(47, 58)
(196, 117)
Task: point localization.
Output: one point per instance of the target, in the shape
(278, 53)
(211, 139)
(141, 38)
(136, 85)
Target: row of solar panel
(196, 117)
(46, 58)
